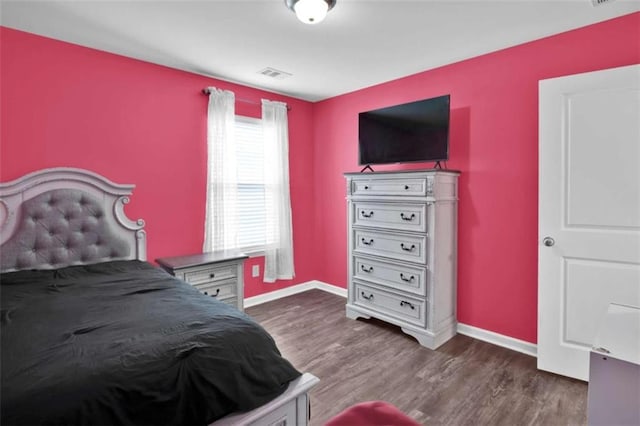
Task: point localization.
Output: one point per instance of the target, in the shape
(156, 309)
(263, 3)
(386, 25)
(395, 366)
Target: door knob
(548, 241)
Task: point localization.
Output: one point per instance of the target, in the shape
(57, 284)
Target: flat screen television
(411, 132)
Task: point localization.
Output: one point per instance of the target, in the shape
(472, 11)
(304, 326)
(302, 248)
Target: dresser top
(179, 262)
(619, 333)
(403, 172)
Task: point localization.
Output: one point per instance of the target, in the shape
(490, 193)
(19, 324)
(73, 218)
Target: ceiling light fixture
(310, 11)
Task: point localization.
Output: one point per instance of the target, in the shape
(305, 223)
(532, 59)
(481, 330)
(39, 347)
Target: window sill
(253, 252)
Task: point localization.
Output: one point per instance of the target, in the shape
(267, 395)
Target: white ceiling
(361, 42)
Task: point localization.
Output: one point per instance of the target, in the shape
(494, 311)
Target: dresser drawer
(221, 290)
(210, 274)
(415, 186)
(397, 216)
(412, 279)
(408, 309)
(410, 248)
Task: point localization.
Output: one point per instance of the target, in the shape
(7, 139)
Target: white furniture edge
(497, 339)
(619, 333)
(297, 391)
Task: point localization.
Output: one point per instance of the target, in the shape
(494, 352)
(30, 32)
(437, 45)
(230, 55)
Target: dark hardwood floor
(464, 382)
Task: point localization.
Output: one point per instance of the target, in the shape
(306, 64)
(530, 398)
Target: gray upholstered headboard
(65, 216)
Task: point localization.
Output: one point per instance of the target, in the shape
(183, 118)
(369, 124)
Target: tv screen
(415, 131)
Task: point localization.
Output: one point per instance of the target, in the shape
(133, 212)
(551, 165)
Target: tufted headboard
(65, 216)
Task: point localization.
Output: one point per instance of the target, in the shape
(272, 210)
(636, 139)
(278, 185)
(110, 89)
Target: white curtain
(221, 226)
(278, 263)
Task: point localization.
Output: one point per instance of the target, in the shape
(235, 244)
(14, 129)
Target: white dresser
(402, 251)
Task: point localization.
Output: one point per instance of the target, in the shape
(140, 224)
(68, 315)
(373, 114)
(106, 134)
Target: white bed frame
(289, 409)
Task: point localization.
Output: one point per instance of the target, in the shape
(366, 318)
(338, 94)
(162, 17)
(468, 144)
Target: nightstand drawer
(395, 275)
(220, 291)
(402, 307)
(210, 274)
(396, 216)
(217, 274)
(231, 301)
(410, 248)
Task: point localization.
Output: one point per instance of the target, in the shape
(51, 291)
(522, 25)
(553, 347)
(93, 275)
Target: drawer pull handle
(406, 187)
(403, 304)
(405, 248)
(206, 293)
(366, 187)
(364, 214)
(413, 215)
(364, 269)
(405, 279)
(367, 243)
(212, 275)
(364, 296)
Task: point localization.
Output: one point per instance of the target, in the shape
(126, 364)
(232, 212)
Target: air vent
(601, 2)
(274, 73)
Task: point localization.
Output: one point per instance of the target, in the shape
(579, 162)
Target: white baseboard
(278, 294)
(498, 339)
(294, 289)
(468, 330)
(338, 291)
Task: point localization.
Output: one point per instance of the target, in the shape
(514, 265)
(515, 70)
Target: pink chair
(372, 413)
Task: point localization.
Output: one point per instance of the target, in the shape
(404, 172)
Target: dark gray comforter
(125, 343)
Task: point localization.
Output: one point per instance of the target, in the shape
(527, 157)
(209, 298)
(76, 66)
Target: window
(248, 205)
(251, 188)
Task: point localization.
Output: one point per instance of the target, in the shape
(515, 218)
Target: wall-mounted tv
(415, 131)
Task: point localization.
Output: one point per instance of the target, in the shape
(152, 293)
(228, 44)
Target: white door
(589, 210)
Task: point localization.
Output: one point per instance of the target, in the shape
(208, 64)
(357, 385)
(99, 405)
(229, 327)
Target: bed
(93, 334)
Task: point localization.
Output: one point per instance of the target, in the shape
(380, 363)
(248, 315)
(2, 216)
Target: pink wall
(135, 122)
(494, 142)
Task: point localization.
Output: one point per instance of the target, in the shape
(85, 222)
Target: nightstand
(218, 274)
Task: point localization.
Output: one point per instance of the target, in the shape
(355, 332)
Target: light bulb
(311, 11)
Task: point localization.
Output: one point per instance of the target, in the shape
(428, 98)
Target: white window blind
(251, 187)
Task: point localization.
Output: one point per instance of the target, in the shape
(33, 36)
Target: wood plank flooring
(464, 382)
